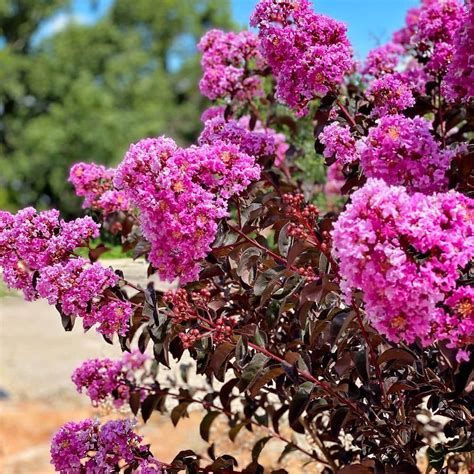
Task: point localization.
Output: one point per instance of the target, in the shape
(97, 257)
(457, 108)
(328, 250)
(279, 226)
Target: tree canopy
(87, 91)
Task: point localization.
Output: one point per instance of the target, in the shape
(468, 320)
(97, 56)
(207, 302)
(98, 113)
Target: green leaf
(436, 456)
(338, 420)
(355, 469)
(246, 266)
(260, 338)
(219, 358)
(235, 430)
(398, 354)
(361, 362)
(284, 241)
(289, 448)
(134, 401)
(241, 349)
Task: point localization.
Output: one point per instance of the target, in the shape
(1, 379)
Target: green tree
(88, 91)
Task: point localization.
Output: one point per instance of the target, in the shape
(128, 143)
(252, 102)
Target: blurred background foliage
(87, 91)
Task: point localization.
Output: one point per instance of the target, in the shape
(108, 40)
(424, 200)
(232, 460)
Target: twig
(346, 113)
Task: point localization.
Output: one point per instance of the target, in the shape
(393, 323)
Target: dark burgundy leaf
(300, 402)
(206, 423)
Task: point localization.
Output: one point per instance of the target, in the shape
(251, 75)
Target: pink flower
(87, 446)
(382, 60)
(339, 143)
(95, 183)
(309, 54)
(456, 325)
(78, 287)
(404, 253)
(187, 189)
(32, 240)
(71, 444)
(259, 142)
(435, 32)
(105, 379)
(335, 180)
(390, 95)
(458, 83)
(226, 63)
(402, 151)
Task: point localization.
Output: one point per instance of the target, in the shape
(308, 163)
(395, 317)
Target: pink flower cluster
(308, 53)
(435, 32)
(228, 61)
(36, 254)
(431, 31)
(95, 183)
(404, 35)
(181, 195)
(339, 143)
(32, 240)
(259, 142)
(456, 325)
(402, 151)
(86, 446)
(390, 93)
(404, 251)
(459, 80)
(382, 60)
(78, 287)
(106, 379)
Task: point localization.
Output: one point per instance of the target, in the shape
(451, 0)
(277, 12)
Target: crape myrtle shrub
(343, 310)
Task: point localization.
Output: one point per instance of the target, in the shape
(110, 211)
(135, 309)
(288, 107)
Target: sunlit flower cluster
(78, 287)
(37, 257)
(456, 324)
(339, 143)
(106, 380)
(187, 190)
(390, 94)
(258, 142)
(228, 62)
(435, 32)
(382, 60)
(402, 151)
(87, 446)
(459, 80)
(32, 240)
(404, 252)
(95, 183)
(309, 54)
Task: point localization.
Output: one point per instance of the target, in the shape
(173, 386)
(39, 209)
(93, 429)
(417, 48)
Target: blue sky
(370, 22)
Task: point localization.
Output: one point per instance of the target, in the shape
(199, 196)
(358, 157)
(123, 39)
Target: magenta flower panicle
(309, 54)
(404, 253)
(87, 446)
(188, 189)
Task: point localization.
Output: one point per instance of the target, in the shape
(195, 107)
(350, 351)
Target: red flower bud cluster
(182, 310)
(201, 297)
(223, 329)
(189, 339)
(307, 273)
(303, 215)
